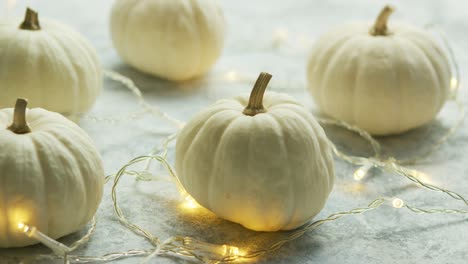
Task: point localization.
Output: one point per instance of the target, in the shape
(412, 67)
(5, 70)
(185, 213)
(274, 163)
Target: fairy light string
(187, 247)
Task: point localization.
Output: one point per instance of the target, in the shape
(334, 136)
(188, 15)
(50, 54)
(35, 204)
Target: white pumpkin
(51, 175)
(172, 39)
(267, 167)
(48, 63)
(384, 80)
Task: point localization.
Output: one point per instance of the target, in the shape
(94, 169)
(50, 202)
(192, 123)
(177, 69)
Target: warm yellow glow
(231, 76)
(18, 216)
(190, 203)
(398, 203)
(360, 173)
(23, 227)
(231, 251)
(354, 187)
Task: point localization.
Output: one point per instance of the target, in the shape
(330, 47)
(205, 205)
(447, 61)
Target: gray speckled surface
(382, 236)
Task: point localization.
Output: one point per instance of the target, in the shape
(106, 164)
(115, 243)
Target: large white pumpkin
(48, 63)
(172, 39)
(384, 80)
(51, 175)
(265, 166)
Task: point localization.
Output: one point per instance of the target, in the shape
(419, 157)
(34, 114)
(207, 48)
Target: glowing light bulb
(24, 228)
(360, 173)
(190, 203)
(49, 242)
(398, 203)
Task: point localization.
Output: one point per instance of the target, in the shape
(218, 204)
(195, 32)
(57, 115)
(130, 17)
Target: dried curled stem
(20, 125)
(380, 26)
(31, 20)
(255, 105)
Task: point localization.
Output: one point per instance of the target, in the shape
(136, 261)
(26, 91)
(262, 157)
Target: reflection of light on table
(231, 251)
(354, 187)
(221, 250)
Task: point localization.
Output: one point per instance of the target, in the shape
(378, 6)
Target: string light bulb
(32, 232)
(187, 200)
(190, 203)
(23, 227)
(360, 173)
(398, 203)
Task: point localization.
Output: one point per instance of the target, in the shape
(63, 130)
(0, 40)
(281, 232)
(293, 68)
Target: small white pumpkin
(48, 63)
(267, 167)
(172, 39)
(51, 175)
(384, 80)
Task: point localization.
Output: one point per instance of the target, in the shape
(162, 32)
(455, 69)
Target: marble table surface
(273, 36)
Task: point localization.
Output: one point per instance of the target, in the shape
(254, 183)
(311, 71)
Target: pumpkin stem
(20, 125)
(31, 20)
(380, 26)
(255, 105)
